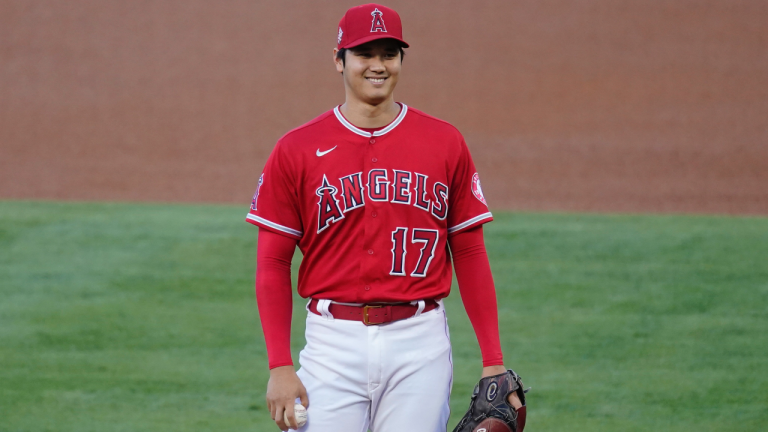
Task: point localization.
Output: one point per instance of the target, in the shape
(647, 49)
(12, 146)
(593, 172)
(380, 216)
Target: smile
(376, 80)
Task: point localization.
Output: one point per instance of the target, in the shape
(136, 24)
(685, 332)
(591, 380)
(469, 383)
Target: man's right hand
(283, 389)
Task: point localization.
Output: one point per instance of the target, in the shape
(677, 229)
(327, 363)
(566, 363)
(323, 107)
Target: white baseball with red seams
(300, 413)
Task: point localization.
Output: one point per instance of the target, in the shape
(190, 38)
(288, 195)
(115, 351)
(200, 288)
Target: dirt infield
(594, 105)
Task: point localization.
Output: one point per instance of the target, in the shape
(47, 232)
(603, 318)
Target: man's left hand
(498, 370)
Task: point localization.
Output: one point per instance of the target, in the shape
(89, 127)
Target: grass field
(117, 317)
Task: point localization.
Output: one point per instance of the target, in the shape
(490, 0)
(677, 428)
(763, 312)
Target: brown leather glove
(489, 409)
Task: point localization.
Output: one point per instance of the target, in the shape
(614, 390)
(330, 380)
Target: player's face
(371, 70)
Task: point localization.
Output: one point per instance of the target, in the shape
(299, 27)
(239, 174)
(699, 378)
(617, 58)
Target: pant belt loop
(420, 308)
(322, 307)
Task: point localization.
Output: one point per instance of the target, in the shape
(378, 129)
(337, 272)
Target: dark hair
(341, 54)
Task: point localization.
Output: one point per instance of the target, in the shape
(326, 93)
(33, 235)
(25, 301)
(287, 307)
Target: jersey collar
(379, 132)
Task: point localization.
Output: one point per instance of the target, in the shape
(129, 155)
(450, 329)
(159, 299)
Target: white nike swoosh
(319, 153)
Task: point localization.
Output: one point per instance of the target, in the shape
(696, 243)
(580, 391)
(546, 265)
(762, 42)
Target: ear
(339, 64)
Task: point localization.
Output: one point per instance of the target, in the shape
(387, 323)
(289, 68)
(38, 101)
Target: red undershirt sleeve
(473, 272)
(274, 295)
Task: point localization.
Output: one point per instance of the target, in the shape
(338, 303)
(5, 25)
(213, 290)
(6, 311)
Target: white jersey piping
(470, 222)
(367, 134)
(274, 225)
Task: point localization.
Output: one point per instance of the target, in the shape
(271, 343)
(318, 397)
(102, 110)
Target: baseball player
(380, 198)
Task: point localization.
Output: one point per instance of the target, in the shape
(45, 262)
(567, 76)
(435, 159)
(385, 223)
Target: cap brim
(372, 38)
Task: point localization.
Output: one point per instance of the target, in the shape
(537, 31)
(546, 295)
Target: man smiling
(379, 197)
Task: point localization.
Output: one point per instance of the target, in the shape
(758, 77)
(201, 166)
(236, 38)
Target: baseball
(492, 425)
(301, 415)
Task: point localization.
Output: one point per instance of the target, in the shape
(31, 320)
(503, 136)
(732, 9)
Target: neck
(365, 115)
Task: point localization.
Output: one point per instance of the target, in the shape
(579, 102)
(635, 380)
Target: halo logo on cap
(377, 24)
(366, 23)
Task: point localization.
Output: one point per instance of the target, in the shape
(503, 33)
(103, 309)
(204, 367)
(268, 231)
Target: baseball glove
(489, 410)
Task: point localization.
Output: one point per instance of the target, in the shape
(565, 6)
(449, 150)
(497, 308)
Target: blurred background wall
(574, 105)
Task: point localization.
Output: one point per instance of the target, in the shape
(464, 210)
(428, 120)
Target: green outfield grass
(117, 317)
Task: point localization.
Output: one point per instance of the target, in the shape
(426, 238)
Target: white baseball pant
(394, 377)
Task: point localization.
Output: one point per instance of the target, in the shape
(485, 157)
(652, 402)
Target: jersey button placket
(371, 222)
(373, 141)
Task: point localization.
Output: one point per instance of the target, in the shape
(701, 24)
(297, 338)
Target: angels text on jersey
(380, 185)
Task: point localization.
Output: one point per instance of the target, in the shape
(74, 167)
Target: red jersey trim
(260, 220)
(470, 222)
(357, 130)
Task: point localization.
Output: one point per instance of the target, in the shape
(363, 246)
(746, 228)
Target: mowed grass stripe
(126, 317)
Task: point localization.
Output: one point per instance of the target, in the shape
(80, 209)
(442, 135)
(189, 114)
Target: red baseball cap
(369, 22)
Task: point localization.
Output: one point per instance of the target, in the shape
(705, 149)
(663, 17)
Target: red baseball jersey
(372, 211)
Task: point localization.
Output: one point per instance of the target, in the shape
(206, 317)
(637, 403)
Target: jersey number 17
(427, 237)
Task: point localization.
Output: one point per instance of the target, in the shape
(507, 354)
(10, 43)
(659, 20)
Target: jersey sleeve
(275, 203)
(478, 293)
(467, 207)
